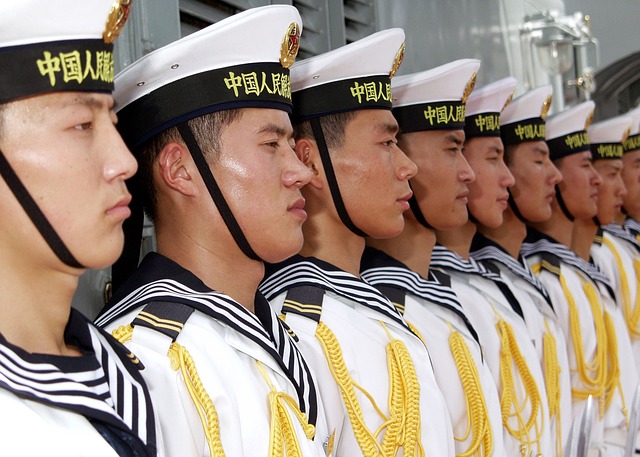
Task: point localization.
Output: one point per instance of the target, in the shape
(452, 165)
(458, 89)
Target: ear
(308, 154)
(177, 168)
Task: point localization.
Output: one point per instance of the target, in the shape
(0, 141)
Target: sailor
(607, 251)
(66, 387)
(522, 130)
(617, 252)
(374, 373)
(399, 266)
(570, 280)
(631, 177)
(207, 116)
(486, 298)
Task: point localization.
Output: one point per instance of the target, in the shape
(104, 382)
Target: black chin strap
(562, 205)
(417, 212)
(515, 209)
(596, 221)
(36, 215)
(215, 192)
(331, 178)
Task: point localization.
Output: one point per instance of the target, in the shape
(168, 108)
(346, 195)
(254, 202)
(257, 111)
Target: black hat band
(632, 143)
(606, 151)
(482, 125)
(372, 92)
(59, 66)
(431, 116)
(533, 129)
(261, 85)
(566, 145)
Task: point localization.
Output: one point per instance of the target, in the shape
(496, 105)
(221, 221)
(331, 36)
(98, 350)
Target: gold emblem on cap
(546, 106)
(589, 119)
(117, 18)
(290, 45)
(508, 100)
(626, 134)
(397, 61)
(470, 85)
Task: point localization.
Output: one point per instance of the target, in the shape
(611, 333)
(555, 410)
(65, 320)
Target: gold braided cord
(510, 356)
(478, 423)
(593, 384)
(180, 359)
(631, 313)
(123, 333)
(402, 427)
(283, 439)
(552, 371)
(613, 373)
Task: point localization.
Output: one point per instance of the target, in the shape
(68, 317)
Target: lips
(121, 209)
(297, 208)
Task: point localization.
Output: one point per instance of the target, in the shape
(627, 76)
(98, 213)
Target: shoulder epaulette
(304, 301)
(165, 317)
(394, 294)
(550, 262)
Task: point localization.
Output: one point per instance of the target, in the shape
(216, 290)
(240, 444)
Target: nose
(555, 174)
(407, 168)
(465, 173)
(295, 173)
(507, 178)
(120, 164)
(596, 179)
(622, 189)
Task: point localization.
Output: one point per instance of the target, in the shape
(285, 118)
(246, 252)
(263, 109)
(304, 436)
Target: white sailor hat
(567, 130)
(485, 105)
(58, 45)
(633, 142)
(524, 118)
(434, 99)
(240, 62)
(354, 77)
(606, 137)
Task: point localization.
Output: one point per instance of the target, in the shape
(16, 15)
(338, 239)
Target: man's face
(440, 186)
(373, 173)
(631, 178)
(488, 195)
(68, 154)
(261, 176)
(536, 177)
(611, 192)
(579, 186)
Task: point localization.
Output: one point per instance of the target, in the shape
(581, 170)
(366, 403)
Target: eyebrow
(277, 129)
(454, 138)
(90, 102)
(387, 127)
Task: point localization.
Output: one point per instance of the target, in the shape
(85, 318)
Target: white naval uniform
(542, 254)
(227, 362)
(539, 316)
(92, 405)
(615, 426)
(361, 331)
(629, 252)
(435, 313)
(31, 429)
(485, 305)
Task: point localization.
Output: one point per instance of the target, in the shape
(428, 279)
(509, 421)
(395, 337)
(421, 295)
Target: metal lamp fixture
(560, 46)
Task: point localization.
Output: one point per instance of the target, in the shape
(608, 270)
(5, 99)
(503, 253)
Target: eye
(84, 126)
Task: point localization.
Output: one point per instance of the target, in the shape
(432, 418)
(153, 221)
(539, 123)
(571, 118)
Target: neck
(458, 239)
(329, 240)
(35, 305)
(619, 218)
(412, 247)
(220, 264)
(558, 227)
(509, 235)
(584, 230)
